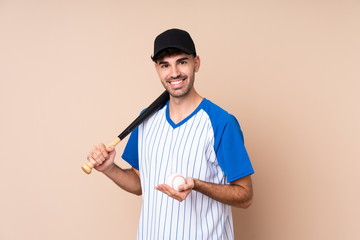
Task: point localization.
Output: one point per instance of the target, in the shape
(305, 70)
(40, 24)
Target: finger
(90, 159)
(179, 196)
(101, 146)
(98, 157)
(189, 184)
(94, 153)
(164, 188)
(160, 187)
(97, 153)
(183, 187)
(110, 148)
(104, 152)
(102, 149)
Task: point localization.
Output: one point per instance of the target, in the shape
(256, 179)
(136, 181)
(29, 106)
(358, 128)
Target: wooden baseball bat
(156, 105)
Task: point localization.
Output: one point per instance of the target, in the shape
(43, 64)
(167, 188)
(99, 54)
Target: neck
(180, 108)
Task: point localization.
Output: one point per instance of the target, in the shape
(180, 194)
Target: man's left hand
(183, 192)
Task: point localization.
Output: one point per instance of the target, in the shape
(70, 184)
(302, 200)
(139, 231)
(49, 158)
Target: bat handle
(87, 167)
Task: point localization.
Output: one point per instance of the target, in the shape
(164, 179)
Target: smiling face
(177, 73)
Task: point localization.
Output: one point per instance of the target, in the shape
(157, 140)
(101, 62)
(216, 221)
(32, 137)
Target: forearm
(237, 195)
(126, 179)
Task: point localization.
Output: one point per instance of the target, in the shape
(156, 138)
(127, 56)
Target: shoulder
(217, 115)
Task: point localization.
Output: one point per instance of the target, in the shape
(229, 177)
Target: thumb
(110, 149)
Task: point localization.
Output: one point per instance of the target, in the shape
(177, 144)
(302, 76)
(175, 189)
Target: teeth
(174, 83)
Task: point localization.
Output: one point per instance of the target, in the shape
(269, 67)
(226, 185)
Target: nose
(175, 72)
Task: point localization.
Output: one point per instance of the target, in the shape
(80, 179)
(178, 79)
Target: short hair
(168, 52)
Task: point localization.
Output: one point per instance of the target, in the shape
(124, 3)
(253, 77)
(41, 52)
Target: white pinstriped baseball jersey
(207, 145)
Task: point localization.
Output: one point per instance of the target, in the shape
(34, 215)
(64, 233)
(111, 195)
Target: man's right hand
(102, 157)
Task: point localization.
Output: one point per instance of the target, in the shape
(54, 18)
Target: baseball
(174, 180)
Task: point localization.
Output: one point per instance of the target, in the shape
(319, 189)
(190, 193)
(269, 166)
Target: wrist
(109, 169)
(196, 184)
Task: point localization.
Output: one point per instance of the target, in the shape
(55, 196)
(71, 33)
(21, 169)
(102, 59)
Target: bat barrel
(156, 105)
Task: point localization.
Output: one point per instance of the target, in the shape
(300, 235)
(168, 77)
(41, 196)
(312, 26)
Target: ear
(197, 63)
(156, 67)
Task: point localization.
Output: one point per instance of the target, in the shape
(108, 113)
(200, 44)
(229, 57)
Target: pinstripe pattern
(186, 148)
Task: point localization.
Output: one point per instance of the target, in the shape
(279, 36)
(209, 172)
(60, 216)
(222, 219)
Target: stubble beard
(179, 93)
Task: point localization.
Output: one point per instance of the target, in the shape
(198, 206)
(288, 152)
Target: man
(192, 136)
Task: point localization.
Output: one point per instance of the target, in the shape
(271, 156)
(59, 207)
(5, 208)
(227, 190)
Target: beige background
(75, 73)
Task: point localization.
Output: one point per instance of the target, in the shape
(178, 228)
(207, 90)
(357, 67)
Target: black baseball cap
(174, 38)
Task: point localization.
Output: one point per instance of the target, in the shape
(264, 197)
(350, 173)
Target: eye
(182, 62)
(164, 65)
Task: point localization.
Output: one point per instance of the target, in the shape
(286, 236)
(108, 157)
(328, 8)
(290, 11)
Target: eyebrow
(163, 62)
(182, 59)
(179, 60)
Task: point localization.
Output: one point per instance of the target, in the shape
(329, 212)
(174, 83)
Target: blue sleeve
(231, 153)
(130, 153)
